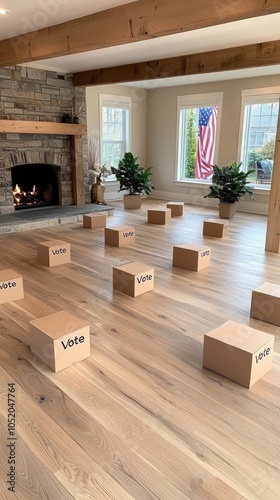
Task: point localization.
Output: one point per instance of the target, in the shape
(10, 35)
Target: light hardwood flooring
(140, 419)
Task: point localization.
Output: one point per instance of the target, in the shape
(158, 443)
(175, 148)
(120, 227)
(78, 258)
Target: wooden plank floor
(140, 419)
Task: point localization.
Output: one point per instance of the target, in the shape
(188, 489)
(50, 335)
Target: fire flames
(25, 197)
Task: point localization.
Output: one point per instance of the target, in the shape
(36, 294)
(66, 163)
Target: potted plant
(229, 184)
(134, 178)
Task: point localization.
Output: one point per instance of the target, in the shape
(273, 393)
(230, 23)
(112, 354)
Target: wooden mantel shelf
(32, 127)
(75, 131)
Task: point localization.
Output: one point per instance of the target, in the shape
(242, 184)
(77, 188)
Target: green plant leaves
(132, 176)
(230, 183)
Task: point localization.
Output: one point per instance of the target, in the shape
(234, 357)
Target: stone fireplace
(50, 160)
(41, 158)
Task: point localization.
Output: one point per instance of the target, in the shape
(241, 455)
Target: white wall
(154, 121)
(138, 123)
(161, 139)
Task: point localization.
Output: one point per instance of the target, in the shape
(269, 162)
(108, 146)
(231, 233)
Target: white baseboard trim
(113, 196)
(243, 206)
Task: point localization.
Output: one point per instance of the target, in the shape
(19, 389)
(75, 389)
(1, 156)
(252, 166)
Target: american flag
(207, 124)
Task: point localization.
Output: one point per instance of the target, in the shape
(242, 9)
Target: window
(114, 128)
(258, 127)
(198, 130)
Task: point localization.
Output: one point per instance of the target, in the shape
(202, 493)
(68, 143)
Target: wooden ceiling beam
(133, 22)
(247, 56)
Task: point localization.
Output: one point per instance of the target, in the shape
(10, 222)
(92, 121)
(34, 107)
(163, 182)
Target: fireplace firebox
(35, 185)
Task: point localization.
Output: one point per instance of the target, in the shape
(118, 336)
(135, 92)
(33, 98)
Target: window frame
(254, 96)
(114, 101)
(204, 100)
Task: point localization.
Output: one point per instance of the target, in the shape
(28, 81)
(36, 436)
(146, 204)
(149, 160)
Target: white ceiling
(30, 15)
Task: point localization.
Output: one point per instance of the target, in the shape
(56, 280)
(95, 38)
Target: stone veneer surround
(37, 154)
(38, 95)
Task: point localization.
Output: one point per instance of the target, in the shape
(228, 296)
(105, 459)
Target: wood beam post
(247, 56)
(77, 170)
(132, 22)
(273, 223)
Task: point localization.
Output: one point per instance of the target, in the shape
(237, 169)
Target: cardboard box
(176, 208)
(53, 253)
(159, 216)
(92, 221)
(119, 236)
(265, 303)
(11, 286)
(60, 340)
(215, 227)
(238, 352)
(191, 256)
(133, 278)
